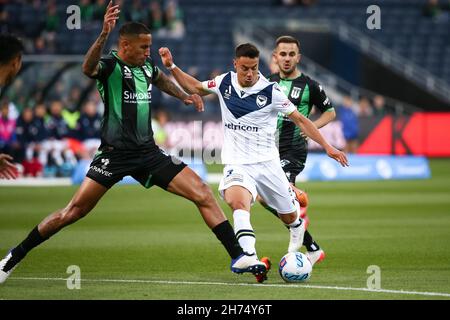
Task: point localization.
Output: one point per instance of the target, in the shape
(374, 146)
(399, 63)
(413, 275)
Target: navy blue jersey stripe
(240, 107)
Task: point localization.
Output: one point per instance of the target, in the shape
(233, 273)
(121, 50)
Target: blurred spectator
(434, 10)
(28, 153)
(88, 128)
(364, 108)
(159, 133)
(40, 133)
(40, 113)
(56, 125)
(99, 10)
(40, 46)
(70, 111)
(60, 158)
(72, 99)
(51, 26)
(379, 105)
(52, 18)
(86, 10)
(431, 9)
(135, 13)
(24, 132)
(174, 20)
(350, 124)
(155, 17)
(7, 130)
(4, 22)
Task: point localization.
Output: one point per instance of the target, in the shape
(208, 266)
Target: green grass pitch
(149, 244)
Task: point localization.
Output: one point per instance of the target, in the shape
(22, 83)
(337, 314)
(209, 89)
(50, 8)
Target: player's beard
(287, 73)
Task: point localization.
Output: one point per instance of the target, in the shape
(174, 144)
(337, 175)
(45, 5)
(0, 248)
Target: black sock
(270, 209)
(19, 252)
(225, 233)
(309, 243)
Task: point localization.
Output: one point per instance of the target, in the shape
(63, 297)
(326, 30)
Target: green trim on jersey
(304, 106)
(304, 93)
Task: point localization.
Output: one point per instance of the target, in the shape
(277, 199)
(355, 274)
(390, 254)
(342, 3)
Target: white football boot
(248, 263)
(5, 274)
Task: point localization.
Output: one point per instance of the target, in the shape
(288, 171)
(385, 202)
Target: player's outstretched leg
(189, 185)
(82, 202)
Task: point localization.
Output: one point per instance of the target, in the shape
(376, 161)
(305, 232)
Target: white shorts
(264, 178)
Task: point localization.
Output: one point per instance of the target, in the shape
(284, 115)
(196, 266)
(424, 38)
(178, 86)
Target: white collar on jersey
(257, 87)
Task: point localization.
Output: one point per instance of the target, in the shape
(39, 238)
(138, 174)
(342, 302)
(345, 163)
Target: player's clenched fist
(166, 57)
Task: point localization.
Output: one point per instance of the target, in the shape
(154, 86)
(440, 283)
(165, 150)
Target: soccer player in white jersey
(250, 105)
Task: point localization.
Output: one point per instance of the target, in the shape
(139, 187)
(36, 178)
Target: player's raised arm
(189, 83)
(91, 60)
(166, 85)
(311, 131)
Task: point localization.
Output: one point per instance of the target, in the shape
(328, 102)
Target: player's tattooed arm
(92, 58)
(166, 85)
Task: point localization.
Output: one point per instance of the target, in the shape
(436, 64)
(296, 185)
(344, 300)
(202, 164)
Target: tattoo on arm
(166, 85)
(92, 58)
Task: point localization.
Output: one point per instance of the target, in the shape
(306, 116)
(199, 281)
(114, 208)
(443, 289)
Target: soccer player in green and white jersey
(304, 93)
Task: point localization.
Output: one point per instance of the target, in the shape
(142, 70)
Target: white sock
(297, 222)
(244, 231)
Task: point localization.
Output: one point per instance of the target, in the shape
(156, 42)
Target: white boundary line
(437, 294)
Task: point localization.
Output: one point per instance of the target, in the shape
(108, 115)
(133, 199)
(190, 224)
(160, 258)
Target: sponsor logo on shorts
(284, 162)
(235, 177)
(105, 163)
(101, 171)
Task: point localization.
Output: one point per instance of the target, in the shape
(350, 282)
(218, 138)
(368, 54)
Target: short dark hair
(10, 47)
(287, 39)
(246, 50)
(133, 28)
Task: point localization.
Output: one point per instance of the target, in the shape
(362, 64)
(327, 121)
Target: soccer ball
(295, 267)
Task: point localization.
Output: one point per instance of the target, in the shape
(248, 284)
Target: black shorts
(148, 168)
(293, 162)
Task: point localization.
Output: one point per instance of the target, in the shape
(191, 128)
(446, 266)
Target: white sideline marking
(439, 294)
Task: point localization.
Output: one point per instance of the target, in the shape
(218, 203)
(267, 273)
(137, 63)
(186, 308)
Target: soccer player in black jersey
(304, 93)
(124, 80)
